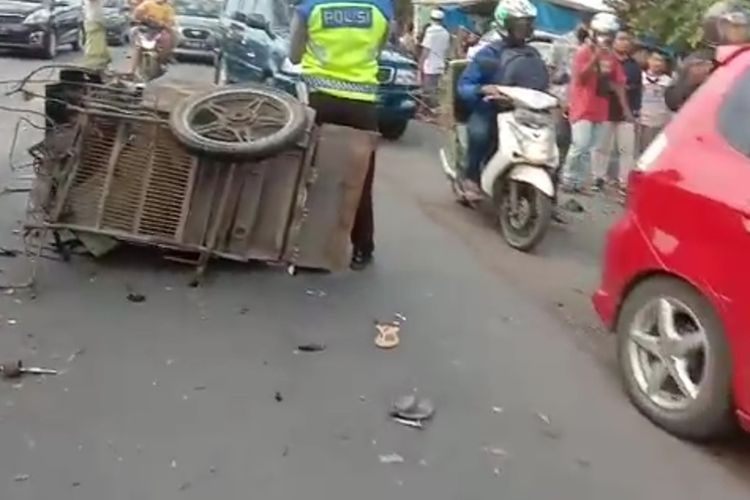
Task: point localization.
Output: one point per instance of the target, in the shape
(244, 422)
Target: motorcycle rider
(159, 13)
(509, 61)
(726, 22)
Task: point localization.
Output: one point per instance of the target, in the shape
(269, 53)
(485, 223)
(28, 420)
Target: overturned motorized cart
(240, 173)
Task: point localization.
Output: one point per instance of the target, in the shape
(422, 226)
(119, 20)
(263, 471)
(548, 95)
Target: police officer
(338, 43)
(726, 22)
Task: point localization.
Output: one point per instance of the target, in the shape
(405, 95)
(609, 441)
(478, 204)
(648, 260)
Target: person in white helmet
(435, 46)
(509, 61)
(596, 75)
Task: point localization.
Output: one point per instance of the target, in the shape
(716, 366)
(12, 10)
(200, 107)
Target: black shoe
(361, 260)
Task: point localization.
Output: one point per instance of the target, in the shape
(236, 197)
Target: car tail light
(652, 152)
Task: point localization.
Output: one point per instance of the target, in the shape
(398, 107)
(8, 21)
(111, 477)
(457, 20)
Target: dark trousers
(482, 135)
(364, 116)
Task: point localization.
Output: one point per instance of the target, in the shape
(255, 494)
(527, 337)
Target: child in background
(654, 112)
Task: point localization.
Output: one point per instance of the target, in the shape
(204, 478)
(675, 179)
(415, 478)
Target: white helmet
(605, 23)
(510, 13)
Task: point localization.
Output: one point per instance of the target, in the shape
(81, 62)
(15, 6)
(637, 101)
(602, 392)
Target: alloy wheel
(668, 351)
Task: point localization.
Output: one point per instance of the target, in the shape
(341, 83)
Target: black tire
(79, 41)
(542, 204)
(220, 71)
(392, 130)
(50, 45)
(711, 415)
(296, 117)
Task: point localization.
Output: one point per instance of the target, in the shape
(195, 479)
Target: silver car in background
(197, 27)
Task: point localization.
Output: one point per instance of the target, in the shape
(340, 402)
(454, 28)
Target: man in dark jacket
(725, 23)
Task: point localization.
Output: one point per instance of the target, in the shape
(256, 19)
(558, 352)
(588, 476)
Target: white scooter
(519, 178)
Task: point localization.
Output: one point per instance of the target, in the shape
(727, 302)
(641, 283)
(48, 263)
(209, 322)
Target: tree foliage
(672, 22)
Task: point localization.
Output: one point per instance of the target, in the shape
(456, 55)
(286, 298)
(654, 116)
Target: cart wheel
(249, 120)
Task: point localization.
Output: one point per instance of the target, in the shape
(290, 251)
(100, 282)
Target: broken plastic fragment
(19, 478)
(136, 298)
(311, 347)
(392, 458)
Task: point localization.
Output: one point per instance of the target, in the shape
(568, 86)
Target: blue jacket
(499, 64)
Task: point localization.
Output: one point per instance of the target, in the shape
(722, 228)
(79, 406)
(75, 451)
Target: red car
(675, 285)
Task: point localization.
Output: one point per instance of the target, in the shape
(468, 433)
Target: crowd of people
(616, 92)
(615, 103)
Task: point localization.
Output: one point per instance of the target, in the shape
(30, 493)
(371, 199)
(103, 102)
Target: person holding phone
(597, 74)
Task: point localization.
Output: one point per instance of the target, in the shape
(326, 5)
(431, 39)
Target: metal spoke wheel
(674, 359)
(524, 213)
(248, 120)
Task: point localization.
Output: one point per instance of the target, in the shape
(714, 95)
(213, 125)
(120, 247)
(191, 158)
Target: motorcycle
(147, 38)
(519, 177)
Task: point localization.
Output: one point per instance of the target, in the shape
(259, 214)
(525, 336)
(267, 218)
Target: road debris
(199, 388)
(12, 322)
(387, 337)
(173, 464)
(311, 347)
(573, 206)
(495, 452)
(186, 486)
(136, 298)
(417, 424)
(170, 362)
(497, 410)
(400, 317)
(277, 396)
(20, 478)
(314, 292)
(76, 484)
(9, 252)
(285, 452)
(244, 310)
(73, 356)
(392, 458)
(412, 411)
(15, 369)
(544, 418)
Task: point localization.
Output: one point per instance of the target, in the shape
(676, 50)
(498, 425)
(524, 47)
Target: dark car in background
(254, 44)
(117, 21)
(198, 27)
(41, 26)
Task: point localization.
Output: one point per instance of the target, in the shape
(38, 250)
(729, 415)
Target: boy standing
(654, 112)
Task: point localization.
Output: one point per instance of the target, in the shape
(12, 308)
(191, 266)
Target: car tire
(50, 45)
(295, 122)
(80, 40)
(710, 415)
(221, 76)
(392, 130)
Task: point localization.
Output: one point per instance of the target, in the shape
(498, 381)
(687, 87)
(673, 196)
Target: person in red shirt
(596, 74)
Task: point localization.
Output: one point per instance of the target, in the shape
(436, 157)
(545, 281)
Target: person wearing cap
(435, 46)
(726, 22)
(337, 43)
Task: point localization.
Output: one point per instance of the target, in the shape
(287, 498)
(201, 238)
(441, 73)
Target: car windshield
(198, 8)
(276, 12)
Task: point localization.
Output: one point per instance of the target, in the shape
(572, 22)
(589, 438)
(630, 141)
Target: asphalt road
(178, 397)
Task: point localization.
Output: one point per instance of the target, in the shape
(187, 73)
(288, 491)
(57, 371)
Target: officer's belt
(322, 83)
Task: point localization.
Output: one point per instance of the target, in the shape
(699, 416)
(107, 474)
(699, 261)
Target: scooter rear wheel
(524, 225)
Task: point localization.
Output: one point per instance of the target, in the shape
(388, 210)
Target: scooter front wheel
(524, 213)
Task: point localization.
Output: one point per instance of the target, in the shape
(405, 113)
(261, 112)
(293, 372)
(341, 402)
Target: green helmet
(508, 11)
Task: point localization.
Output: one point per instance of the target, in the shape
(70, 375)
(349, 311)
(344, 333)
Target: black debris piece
(312, 347)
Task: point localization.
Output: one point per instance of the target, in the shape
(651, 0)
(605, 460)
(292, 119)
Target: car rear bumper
(22, 37)
(207, 53)
(627, 256)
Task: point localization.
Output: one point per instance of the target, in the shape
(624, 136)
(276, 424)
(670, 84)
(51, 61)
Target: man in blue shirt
(509, 61)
